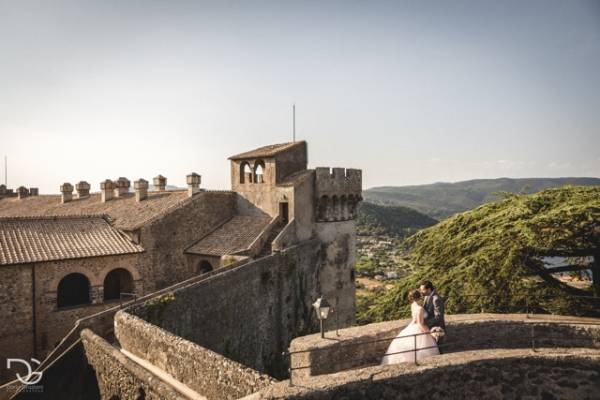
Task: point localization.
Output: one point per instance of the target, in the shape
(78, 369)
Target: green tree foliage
(493, 249)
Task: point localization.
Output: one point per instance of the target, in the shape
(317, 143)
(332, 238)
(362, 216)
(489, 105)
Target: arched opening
(343, 208)
(334, 210)
(245, 172)
(322, 211)
(116, 282)
(351, 207)
(259, 168)
(204, 267)
(73, 290)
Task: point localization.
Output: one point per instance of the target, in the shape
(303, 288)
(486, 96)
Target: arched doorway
(73, 290)
(204, 267)
(116, 282)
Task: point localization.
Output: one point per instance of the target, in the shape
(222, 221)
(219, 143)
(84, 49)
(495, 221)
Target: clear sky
(410, 91)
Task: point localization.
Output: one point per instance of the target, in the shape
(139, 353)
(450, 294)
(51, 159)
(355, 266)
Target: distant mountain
(376, 219)
(440, 200)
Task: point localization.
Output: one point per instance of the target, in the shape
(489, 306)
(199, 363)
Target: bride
(402, 348)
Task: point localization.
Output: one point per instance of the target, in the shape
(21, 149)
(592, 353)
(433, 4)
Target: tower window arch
(245, 172)
(323, 205)
(259, 169)
(73, 290)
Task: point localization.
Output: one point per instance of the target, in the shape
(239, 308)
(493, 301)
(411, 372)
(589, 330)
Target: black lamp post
(322, 308)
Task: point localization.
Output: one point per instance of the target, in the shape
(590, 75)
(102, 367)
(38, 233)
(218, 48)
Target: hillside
(440, 200)
(400, 221)
(496, 253)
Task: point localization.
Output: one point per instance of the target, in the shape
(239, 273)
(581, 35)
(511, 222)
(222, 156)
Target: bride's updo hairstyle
(414, 295)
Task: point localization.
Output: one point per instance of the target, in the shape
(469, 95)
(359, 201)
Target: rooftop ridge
(268, 150)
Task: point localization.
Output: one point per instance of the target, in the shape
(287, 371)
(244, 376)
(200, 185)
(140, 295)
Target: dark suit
(434, 305)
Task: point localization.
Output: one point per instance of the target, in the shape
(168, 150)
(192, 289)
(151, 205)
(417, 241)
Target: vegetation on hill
(492, 251)
(380, 220)
(440, 200)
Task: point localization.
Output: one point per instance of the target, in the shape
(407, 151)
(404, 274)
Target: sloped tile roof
(267, 151)
(27, 240)
(233, 236)
(125, 213)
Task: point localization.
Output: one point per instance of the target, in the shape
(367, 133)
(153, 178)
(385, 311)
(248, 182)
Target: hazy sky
(411, 92)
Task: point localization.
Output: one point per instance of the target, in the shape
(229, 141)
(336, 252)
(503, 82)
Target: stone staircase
(266, 250)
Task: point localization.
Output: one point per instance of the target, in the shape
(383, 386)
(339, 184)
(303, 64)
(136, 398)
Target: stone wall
(337, 270)
(202, 370)
(16, 309)
(165, 239)
(249, 313)
(52, 323)
(119, 377)
(486, 374)
(292, 160)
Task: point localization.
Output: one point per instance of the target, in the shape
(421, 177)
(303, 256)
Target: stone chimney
(34, 192)
(193, 182)
(141, 189)
(83, 189)
(67, 192)
(106, 188)
(160, 183)
(22, 192)
(122, 186)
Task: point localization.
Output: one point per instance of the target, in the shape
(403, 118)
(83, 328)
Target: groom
(433, 304)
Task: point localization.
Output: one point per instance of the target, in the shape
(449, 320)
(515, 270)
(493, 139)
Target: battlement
(338, 180)
(338, 192)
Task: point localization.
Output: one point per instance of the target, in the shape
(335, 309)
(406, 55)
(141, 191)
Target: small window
(284, 212)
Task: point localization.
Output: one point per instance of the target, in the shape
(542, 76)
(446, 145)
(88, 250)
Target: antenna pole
(294, 122)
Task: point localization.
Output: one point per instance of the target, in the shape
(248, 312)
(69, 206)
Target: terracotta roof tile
(233, 236)
(267, 151)
(27, 240)
(125, 213)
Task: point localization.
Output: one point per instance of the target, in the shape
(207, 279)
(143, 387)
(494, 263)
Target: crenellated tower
(338, 191)
(337, 194)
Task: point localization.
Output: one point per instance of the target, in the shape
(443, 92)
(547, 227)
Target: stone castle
(231, 273)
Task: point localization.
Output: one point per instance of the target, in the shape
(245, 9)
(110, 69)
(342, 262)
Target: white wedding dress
(402, 348)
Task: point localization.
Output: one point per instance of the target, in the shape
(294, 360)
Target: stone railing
(362, 346)
(287, 237)
(208, 373)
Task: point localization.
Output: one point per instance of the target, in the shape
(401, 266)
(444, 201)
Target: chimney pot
(193, 182)
(83, 189)
(22, 192)
(160, 183)
(141, 189)
(122, 186)
(106, 189)
(67, 192)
